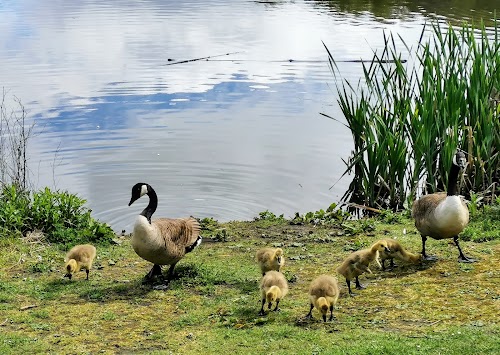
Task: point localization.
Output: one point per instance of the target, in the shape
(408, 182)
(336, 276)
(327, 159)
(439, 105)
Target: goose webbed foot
(262, 312)
(464, 259)
(426, 257)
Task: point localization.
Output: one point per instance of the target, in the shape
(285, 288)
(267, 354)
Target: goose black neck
(151, 207)
(452, 181)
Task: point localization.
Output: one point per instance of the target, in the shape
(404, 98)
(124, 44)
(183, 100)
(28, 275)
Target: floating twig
(202, 58)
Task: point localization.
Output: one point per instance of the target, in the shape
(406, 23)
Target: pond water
(226, 137)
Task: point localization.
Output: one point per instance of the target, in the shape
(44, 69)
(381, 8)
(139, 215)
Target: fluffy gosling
(273, 288)
(323, 294)
(397, 251)
(79, 257)
(270, 259)
(358, 262)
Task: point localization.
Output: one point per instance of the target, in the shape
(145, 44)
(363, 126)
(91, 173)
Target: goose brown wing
(180, 231)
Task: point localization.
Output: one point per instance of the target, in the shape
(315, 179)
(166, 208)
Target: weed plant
(61, 216)
(408, 117)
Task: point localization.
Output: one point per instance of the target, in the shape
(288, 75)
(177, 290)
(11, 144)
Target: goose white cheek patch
(144, 190)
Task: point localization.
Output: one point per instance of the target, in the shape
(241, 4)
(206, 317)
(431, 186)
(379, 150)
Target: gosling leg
(261, 313)
(349, 287)
(462, 258)
(277, 308)
(87, 271)
(358, 285)
(309, 315)
(331, 312)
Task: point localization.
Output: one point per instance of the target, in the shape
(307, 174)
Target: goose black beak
(132, 200)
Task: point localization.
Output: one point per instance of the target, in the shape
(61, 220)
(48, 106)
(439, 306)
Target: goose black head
(140, 189)
(459, 159)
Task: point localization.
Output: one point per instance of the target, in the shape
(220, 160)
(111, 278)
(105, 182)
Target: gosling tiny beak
(279, 259)
(387, 250)
(68, 276)
(269, 305)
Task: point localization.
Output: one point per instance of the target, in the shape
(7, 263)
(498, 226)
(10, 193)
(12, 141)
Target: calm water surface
(223, 138)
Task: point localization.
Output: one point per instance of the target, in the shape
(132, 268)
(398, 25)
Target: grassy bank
(442, 307)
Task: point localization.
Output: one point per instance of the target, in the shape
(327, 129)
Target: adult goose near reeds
(443, 215)
(162, 241)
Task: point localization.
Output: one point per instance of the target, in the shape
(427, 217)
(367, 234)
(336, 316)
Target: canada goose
(323, 294)
(443, 215)
(163, 241)
(270, 259)
(273, 288)
(358, 262)
(79, 257)
(397, 251)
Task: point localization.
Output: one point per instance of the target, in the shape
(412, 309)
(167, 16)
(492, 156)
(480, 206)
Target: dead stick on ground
(195, 59)
(28, 307)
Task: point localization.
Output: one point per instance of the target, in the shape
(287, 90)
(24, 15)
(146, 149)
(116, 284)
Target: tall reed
(408, 117)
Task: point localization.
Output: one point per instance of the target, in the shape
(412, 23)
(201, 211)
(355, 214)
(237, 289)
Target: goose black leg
(424, 255)
(170, 275)
(155, 271)
(462, 258)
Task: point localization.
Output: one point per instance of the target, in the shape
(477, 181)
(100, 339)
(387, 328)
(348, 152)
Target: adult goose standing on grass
(443, 215)
(162, 241)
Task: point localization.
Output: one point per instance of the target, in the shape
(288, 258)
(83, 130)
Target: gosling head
(459, 159)
(279, 255)
(382, 247)
(71, 267)
(272, 296)
(140, 189)
(323, 307)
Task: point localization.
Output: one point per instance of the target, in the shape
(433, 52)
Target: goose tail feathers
(194, 245)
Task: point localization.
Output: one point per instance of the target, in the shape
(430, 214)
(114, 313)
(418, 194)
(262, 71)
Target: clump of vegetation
(408, 117)
(332, 215)
(59, 215)
(211, 228)
(269, 216)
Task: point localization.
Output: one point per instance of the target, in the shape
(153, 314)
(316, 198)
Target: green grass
(212, 306)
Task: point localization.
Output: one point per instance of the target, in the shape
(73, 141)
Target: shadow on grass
(95, 291)
(189, 275)
(402, 269)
